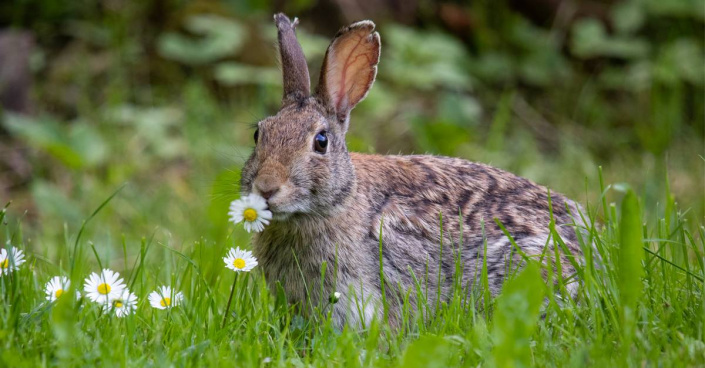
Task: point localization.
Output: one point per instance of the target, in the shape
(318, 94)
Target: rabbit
(350, 210)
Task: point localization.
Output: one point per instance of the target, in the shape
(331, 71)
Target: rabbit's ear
(297, 84)
(349, 68)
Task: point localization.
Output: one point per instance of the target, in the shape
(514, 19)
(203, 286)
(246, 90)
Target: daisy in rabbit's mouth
(252, 210)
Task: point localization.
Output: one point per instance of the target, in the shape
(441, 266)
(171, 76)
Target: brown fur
(330, 207)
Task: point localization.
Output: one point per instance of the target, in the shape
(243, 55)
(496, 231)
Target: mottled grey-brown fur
(330, 207)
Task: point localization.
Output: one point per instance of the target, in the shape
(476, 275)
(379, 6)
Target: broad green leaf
(516, 318)
(628, 16)
(220, 37)
(631, 255)
(631, 251)
(156, 127)
(440, 62)
(76, 144)
(677, 8)
(427, 352)
(590, 39)
(232, 74)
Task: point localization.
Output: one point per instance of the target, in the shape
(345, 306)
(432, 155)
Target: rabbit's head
(300, 162)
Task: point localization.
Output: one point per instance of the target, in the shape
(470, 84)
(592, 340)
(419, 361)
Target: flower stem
(227, 308)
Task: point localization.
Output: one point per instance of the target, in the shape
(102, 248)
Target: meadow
(131, 154)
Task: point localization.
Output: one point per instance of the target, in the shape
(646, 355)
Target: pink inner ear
(352, 66)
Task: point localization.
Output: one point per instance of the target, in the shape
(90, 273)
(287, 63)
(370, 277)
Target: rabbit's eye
(320, 143)
(256, 135)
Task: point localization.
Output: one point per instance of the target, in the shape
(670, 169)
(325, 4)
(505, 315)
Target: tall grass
(640, 302)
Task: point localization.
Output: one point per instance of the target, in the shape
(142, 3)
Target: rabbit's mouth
(280, 211)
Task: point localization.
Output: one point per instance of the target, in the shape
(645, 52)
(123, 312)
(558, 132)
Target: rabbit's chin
(281, 216)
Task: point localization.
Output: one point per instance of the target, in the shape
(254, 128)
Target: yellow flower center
(5, 263)
(104, 288)
(239, 263)
(58, 292)
(250, 215)
(118, 304)
(165, 302)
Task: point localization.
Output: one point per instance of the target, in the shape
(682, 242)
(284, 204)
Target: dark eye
(320, 143)
(256, 135)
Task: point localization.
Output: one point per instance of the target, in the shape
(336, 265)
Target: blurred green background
(162, 95)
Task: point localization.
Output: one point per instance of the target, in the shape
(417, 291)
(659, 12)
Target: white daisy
(10, 260)
(165, 298)
(56, 287)
(123, 305)
(104, 287)
(251, 209)
(240, 260)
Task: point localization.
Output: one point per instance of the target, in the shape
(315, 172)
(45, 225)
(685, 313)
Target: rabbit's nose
(267, 186)
(268, 194)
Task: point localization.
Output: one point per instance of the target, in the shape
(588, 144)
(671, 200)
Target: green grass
(643, 303)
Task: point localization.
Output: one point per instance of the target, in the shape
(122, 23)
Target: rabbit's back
(418, 189)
